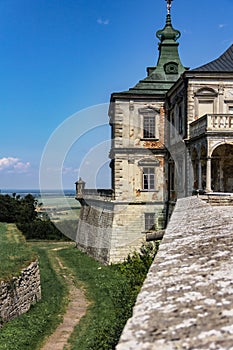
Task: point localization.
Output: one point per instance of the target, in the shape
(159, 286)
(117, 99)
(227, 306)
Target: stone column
(199, 175)
(208, 175)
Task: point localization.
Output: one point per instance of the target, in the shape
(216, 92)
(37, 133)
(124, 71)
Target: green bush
(23, 211)
(16, 209)
(42, 230)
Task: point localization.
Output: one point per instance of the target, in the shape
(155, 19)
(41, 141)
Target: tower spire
(169, 67)
(168, 33)
(169, 5)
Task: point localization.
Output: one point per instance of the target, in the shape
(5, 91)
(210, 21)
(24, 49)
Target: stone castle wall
(18, 294)
(186, 301)
(109, 231)
(95, 229)
(128, 231)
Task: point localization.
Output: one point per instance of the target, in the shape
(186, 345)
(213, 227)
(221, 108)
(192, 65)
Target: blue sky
(59, 57)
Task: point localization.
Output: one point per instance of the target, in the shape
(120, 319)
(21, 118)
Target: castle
(172, 136)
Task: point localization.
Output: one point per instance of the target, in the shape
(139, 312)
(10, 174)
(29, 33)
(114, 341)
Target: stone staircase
(186, 301)
(218, 199)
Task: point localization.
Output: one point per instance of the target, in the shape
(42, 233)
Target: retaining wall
(18, 294)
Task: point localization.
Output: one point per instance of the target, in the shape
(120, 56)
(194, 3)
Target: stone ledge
(186, 301)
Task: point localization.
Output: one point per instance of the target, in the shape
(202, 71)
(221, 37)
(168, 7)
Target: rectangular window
(148, 127)
(148, 178)
(149, 221)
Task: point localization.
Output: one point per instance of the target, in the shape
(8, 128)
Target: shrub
(42, 230)
(23, 212)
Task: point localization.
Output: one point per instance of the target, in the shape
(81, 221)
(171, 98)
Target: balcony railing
(211, 123)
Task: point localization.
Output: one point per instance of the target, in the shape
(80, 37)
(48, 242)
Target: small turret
(80, 185)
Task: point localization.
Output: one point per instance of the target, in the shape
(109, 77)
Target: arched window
(205, 101)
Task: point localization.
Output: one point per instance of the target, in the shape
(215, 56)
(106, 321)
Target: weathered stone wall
(109, 231)
(18, 294)
(187, 299)
(128, 228)
(95, 229)
(129, 149)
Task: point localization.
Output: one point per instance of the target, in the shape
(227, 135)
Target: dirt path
(76, 309)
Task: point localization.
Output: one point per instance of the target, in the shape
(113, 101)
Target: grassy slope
(28, 331)
(15, 254)
(110, 293)
(109, 290)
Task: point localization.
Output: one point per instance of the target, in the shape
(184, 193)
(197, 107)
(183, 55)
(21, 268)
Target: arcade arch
(222, 168)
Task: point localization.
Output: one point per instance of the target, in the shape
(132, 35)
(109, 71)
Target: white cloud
(103, 21)
(7, 162)
(63, 170)
(12, 164)
(22, 167)
(221, 25)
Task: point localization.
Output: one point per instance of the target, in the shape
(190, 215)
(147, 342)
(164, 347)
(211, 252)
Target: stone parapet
(186, 301)
(103, 194)
(19, 293)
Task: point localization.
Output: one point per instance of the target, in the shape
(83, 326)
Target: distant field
(60, 208)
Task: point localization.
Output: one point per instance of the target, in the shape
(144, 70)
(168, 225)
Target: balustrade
(211, 122)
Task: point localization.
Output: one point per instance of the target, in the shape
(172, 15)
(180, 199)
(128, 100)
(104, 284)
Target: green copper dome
(168, 33)
(169, 67)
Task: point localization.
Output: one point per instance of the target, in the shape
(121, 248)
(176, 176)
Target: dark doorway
(222, 168)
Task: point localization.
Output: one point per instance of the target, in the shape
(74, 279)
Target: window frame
(205, 96)
(149, 126)
(149, 221)
(148, 178)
